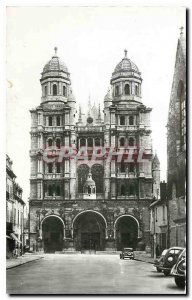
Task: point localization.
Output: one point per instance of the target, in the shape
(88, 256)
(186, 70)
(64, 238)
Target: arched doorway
(52, 234)
(126, 232)
(89, 231)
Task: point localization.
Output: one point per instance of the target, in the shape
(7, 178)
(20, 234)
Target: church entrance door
(89, 232)
(52, 229)
(126, 233)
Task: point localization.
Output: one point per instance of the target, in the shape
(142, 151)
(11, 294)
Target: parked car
(127, 253)
(160, 259)
(179, 270)
(169, 260)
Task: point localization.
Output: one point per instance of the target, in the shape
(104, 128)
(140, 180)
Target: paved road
(88, 274)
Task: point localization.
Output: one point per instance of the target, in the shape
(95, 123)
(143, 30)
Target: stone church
(176, 149)
(85, 202)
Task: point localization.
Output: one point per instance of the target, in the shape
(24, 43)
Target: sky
(91, 41)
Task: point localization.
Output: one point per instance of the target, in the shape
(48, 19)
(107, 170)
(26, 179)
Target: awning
(15, 237)
(8, 237)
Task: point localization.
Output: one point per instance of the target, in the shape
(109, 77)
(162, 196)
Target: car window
(177, 251)
(172, 251)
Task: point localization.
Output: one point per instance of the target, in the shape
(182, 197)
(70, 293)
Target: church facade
(94, 175)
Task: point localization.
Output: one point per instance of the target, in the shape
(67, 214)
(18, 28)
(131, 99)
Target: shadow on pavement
(174, 287)
(158, 276)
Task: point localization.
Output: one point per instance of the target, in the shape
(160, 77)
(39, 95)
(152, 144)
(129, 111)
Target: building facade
(158, 222)
(91, 184)
(14, 212)
(176, 149)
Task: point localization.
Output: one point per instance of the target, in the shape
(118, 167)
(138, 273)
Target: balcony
(90, 128)
(50, 176)
(99, 196)
(124, 128)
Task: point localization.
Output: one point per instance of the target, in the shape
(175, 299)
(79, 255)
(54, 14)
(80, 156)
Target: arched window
(136, 90)
(127, 89)
(58, 121)
(97, 142)
(90, 142)
(122, 120)
(58, 167)
(132, 190)
(46, 90)
(131, 141)
(89, 190)
(131, 120)
(82, 172)
(58, 143)
(122, 167)
(97, 175)
(50, 168)
(131, 167)
(58, 190)
(50, 121)
(64, 91)
(82, 142)
(123, 190)
(116, 90)
(54, 89)
(122, 142)
(50, 142)
(50, 190)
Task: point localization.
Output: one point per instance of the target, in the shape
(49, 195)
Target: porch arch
(52, 231)
(84, 211)
(126, 231)
(89, 231)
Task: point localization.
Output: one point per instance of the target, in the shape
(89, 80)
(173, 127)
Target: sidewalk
(14, 262)
(143, 256)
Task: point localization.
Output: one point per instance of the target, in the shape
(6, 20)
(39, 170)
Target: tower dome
(126, 80)
(55, 64)
(126, 65)
(55, 80)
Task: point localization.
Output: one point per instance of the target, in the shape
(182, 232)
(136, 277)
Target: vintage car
(160, 259)
(179, 270)
(169, 260)
(127, 253)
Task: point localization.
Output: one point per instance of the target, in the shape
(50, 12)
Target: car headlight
(170, 259)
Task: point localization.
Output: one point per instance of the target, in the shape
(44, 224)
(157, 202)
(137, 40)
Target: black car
(159, 260)
(127, 253)
(169, 260)
(179, 270)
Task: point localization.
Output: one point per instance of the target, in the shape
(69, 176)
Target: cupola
(126, 80)
(89, 189)
(55, 80)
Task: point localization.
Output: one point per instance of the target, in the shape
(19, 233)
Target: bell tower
(55, 80)
(126, 81)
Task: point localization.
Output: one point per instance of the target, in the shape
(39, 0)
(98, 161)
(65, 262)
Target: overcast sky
(91, 41)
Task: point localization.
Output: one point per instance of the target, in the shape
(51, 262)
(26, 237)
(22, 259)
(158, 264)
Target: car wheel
(180, 282)
(166, 272)
(158, 270)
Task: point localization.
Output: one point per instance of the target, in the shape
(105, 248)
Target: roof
(89, 180)
(55, 64)
(126, 65)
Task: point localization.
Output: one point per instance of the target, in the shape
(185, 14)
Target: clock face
(89, 120)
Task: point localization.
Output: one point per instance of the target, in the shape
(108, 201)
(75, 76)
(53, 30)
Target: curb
(26, 262)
